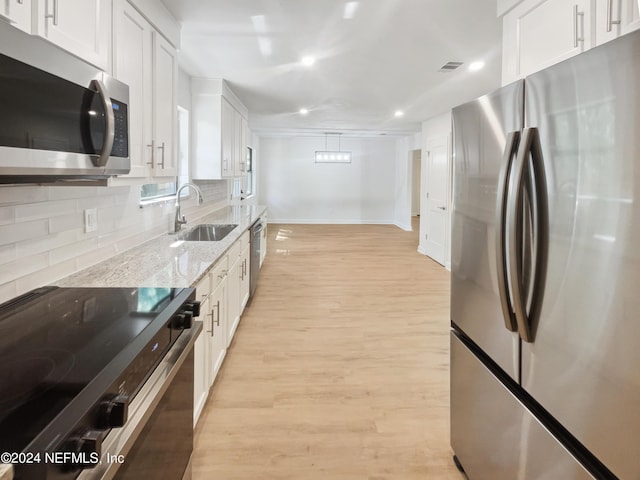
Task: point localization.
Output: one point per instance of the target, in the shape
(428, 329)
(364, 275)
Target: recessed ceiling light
(308, 61)
(475, 66)
(399, 113)
(350, 10)
(303, 111)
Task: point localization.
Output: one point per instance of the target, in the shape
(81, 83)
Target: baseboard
(422, 250)
(405, 227)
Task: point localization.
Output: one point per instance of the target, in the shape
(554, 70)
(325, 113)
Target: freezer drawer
(494, 435)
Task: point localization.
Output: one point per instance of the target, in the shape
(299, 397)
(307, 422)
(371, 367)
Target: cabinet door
(17, 13)
(133, 66)
(630, 15)
(200, 364)
(165, 75)
(82, 27)
(228, 146)
(218, 334)
(244, 134)
(244, 277)
(233, 298)
(539, 33)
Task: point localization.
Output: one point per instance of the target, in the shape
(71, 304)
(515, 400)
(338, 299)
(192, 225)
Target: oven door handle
(101, 159)
(120, 440)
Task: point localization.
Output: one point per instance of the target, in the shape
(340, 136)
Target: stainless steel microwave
(60, 118)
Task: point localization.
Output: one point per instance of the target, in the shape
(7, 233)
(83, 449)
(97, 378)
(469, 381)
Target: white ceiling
(385, 58)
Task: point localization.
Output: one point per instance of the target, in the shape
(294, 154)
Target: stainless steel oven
(97, 383)
(62, 119)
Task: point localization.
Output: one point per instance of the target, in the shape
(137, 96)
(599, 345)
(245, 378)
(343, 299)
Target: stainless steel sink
(206, 233)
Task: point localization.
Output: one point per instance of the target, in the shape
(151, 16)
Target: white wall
(297, 190)
(436, 127)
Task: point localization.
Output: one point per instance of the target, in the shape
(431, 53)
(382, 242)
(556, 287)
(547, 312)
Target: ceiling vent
(449, 67)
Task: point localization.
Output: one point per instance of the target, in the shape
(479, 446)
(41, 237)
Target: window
(168, 189)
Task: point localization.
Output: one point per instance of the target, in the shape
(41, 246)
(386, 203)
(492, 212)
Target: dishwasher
(254, 267)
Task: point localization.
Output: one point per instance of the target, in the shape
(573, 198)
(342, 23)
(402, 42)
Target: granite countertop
(165, 261)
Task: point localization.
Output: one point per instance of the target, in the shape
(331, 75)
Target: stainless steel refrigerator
(545, 289)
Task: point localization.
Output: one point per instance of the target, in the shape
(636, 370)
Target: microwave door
(97, 128)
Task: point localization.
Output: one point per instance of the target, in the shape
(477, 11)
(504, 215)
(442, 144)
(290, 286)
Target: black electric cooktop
(55, 341)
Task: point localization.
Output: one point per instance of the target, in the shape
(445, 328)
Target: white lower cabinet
(245, 265)
(200, 361)
(223, 294)
(216, 321)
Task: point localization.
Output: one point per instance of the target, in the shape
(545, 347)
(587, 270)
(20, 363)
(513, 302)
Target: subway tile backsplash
(42, 236)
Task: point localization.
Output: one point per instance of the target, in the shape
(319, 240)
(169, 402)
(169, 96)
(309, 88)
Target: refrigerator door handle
(511, 147)
(527, 307)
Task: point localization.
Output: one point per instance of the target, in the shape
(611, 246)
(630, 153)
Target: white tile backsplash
(42, 235)
(17, 232)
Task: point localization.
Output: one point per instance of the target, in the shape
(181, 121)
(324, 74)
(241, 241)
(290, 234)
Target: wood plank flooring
(340, 366)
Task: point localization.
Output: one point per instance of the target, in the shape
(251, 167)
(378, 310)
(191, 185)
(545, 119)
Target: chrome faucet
(180, 220)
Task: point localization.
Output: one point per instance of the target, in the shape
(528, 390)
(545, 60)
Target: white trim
(422, 251)
(405, 227)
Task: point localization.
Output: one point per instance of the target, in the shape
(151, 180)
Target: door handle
(576, 14)
(162, 162)
(441, 208)
(527, 310)
(610, 21)
(54, 15)
(109, 132)
(511, 147)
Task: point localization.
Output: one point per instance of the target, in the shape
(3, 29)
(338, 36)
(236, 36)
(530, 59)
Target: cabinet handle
(20, 2)
(53, 15)
(610, 21)
(162, 162)
(151, 145)
(576, 14)
(210, 315)
(226, 165)
(218, 317)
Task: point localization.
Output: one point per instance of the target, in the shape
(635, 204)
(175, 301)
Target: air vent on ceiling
(449, 67)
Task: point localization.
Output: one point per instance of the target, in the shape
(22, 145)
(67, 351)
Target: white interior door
(436, 198)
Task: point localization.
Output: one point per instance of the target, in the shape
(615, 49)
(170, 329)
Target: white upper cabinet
(614, 18)
(17, 13)
(133, 66)
(219, 132)
(146, 61)
(540, 33)
(82, 27)
(165, 84)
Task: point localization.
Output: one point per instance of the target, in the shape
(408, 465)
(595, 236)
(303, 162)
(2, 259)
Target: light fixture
(475, 66)
(304, 111)
(308, 61)
(332, 156)
(399, 113)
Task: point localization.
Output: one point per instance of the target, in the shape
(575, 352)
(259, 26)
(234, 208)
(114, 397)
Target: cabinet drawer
(203, 288)
(235, 251)
(218, 271)
(244, 239)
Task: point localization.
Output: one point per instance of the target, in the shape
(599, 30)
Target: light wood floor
(339, 369)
